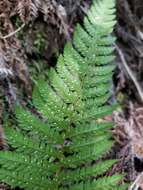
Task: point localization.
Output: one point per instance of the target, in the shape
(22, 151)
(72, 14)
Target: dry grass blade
(138, 183)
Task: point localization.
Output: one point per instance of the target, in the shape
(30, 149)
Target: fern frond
(87, 172)
(62, 149)
(28, 9)
(30, 123)
(102, 14)
(18, 162)
(92, 128)
(109, 183)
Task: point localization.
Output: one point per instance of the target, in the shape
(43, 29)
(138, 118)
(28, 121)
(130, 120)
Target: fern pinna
(63, 151)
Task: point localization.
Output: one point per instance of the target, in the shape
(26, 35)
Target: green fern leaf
(62, 149)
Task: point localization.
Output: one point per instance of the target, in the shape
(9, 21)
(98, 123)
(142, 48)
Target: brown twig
(130, 72)
(12, 33)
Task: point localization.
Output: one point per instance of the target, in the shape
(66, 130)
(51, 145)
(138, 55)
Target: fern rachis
(63, 151)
